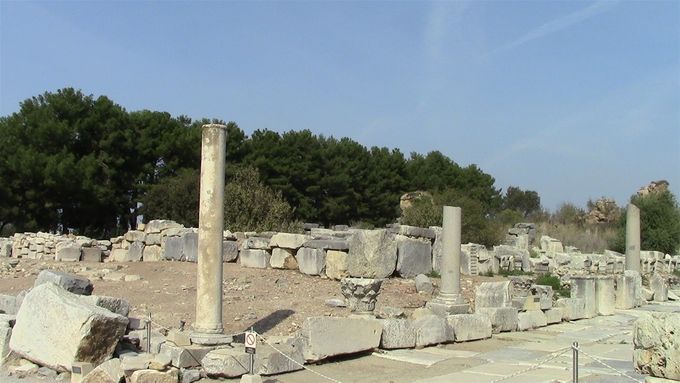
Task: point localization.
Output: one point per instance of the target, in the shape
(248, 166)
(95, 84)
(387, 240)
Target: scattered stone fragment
(424, 284)
(107, 372)
(69, 282)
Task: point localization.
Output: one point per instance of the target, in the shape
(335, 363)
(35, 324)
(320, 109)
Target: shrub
(554, 282)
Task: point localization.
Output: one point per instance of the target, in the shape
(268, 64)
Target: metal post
(252, 361)
(574, 348)
(148, 333)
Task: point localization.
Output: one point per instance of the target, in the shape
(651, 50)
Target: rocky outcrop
(656, 340)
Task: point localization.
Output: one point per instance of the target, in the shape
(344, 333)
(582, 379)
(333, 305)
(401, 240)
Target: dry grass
(587, 238)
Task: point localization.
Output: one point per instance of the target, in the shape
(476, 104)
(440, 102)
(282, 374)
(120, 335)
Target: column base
(444, 306)
(210, 339)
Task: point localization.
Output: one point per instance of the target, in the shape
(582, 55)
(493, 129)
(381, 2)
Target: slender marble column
(633, 238)
(208, 327)
(449, 300)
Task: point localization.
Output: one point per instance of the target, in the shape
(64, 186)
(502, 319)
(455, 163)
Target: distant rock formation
(653, 187)
(604, 210)
(407, 200)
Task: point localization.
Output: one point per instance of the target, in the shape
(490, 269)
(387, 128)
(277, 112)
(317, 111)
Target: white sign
(251, 341)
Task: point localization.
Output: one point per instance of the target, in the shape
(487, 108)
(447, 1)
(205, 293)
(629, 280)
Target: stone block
(628, 290)
(271, 362)
(311, 261)
(659, 287)
(135, 236)
(531, 319)
(256, 243)
(71, 283)
(118, 306)
(229, 251)
(431, 330)
(160, 225)
(437, 248)
(324, 337)
(554, 315)
(258, 259)
(226, 363)
(327, 244)
(466, 327)
(135, 251)
(288, 241)
(118, 255)
(107, 372)
(190, 247)
(86, 334)
(584, 288)
(153, 376)
(656, 340)
(494, 294)
(336, 264)
(372, 254)
(397, 333)
(185, 356)
(605, 295)
(67, 251)
(501, 318)
(283, 259)
(153, 239)
(5, 336)
(151, 253)
(545, 295)
(413, 231)
(423, 284)
(91, 254)
(8, 304)
(572, 308)
(414, 256)
(172, 249)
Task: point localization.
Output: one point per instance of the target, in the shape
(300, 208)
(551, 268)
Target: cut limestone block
(258, 259)
(372, 254)
(336, 264)
(153, 376)
(69, 282)
(118, 306)
(283, 259)
(67, 251)
(467, 327)
(502, 318)
(431, 330)
(271, 362)
(85, 333)
(605, 295)
(136, 251)
(628, 290)
(554, 315)
(288, 241)
(151, 253)
(226, 363)
(414, 256)
(229, 251)
(584, 288)
(190, 247)
(494, 294)
(91, 254)
(656, 340)
(330, 336)
(572, 308)
(185, 356)
(107, 372)
(398, 333)
(659, 287)
(531, 319)
(311, 261)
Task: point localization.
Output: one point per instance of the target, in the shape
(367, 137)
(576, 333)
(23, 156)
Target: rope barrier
(598, 360)
(296, 362)
(550, 357)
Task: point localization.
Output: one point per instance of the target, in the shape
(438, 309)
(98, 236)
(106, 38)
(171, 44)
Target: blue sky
(575, 100)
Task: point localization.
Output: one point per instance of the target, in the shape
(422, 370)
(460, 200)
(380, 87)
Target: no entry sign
(251, 342)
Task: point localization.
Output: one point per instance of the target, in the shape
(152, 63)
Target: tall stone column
(449, 300)
(208, 327)
(633, 238)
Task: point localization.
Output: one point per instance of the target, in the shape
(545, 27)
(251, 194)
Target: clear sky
(575, 100)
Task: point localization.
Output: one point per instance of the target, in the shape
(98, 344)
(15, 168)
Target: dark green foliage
(523, 201)
(508, 273)
(568, 213)
(554, 282)
(250, 205)
(175, 198)
(659, 223)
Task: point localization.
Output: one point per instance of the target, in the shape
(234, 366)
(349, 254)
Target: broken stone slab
(160, 225)
(531, 319)
(258, 259)
(311, 261)
(324, 337)
(190, 247)
(67, 251)
(327, 244)
(501, 318)
(336, 264)
(5, 336)
(423, 284)
(288, 241)
(431, 330)
(153, 376)
(256, 243)
(572, 308)
(271, 362)
(90, 334)
(605, 295)
(283, 259)
(554, 315)
(658, 285)
(584, 287)
(172, 249)
(397, 333)
(152, 253)
(71, 283)
(466, 327)
(185, 356)
(118, 306)
(494, 294)
(135, 251)
(226, 363)
(107, 372)
(372, 254)
(413, 231)
(414, 256)
(656, 338)
(91, 254)
(545, 295)
(229, 251)
(628, 290)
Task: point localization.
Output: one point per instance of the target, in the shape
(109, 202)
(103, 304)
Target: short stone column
(633, 238)
(208, 327)
(449, 300)
(361, 294)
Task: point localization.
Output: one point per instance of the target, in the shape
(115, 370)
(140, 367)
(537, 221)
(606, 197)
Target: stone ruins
(100, 342)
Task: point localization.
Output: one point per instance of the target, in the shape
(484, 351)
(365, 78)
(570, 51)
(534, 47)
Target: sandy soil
(274, 302)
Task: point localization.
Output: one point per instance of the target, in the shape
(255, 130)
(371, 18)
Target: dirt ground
(274, 302)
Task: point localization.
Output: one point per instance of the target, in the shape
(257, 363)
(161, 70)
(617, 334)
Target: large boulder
(69, 282)
(372, 254)
(414, 256)
(56, 328)
(656, 342)
(324, 337)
